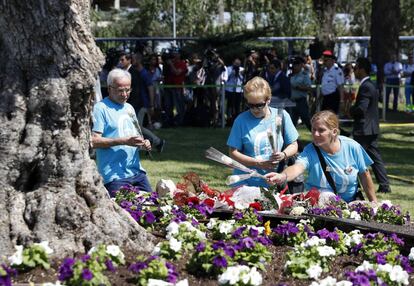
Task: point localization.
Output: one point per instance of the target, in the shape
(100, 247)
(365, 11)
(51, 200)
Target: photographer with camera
(215, 75)
(234, 90)
(175, 70)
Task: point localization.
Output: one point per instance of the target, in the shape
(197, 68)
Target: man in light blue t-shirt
(116, 137)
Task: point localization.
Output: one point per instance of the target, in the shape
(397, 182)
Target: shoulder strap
(324, 168)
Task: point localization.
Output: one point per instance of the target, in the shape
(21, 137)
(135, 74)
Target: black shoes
(160, 147)
(384, 190)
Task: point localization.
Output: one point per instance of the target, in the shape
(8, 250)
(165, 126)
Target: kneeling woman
(345, 160)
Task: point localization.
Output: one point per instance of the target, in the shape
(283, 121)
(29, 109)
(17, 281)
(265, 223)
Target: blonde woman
(249, 141)
(345, 160)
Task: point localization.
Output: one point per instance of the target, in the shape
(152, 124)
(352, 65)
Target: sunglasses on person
(256, 105)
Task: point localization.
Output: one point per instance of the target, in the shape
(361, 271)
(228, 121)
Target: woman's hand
(267, 164)
(279, 156)
(276, 178)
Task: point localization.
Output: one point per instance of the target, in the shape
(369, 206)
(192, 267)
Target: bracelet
(284, 153)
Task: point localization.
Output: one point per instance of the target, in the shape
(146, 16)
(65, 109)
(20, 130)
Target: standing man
(116, 138)
(392, 72)
(366, 121)
(234, 89)
(332, 83)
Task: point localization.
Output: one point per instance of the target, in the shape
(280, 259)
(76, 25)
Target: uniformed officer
(332, 83)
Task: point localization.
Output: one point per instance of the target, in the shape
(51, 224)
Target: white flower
(114, 250)
(314, 271)
(226, 226)
(157, 282)
(297, 211)
(57, 283)
(365, 266)
(241, 205)
(166, 210)
(172, 228)
(344, 283)
(212, 223)
(399, 275)
(17, 257)
(411, 255)
(231, 275)
(386, 202)
(157, 249)
(355, 215)
(253, 277)
(313, 241)
(260, 229)
(328, 281)
(183, 282)
(92, 250)
(384, 268)
(326, 251)
(175, 244)
(346, 213)
(45, 246)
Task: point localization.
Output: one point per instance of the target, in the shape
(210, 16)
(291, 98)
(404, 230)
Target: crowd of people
(265, 97)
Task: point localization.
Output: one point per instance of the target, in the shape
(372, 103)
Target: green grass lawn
(184, 152)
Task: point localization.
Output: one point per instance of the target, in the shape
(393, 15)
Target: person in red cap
(332, 83)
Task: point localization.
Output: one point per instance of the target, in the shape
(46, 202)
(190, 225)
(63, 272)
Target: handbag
(358, 194)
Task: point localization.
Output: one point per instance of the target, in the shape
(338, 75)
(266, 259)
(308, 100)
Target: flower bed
(244, 250)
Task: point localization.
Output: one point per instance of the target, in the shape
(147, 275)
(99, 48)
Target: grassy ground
(185, 148)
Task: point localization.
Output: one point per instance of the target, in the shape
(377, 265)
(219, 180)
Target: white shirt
(393, 70)
(331, 79)
(408, 69)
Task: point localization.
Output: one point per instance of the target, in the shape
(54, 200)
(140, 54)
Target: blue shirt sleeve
(98, 118)
(290, 134)
(235, 137)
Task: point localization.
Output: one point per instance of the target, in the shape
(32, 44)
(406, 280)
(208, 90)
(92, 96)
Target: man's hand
(267, 164)
(276, 178)
(135, 141)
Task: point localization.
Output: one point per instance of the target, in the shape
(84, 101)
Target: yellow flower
(267, 230)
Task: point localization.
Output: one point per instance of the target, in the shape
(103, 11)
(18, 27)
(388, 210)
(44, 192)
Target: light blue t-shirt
(345, 166)
(115, 120)
(249, 135)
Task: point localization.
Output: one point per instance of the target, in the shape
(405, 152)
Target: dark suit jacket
(365, 110)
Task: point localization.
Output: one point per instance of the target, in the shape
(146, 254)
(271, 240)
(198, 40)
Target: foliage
(88, 270)
(34, 255)
(153, 267)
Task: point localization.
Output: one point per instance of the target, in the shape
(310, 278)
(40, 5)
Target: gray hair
(117, 74)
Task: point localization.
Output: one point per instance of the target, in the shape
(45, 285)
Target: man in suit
(366, 121)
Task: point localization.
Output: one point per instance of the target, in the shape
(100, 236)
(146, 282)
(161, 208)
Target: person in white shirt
(332, 83)
(234, 89)
(408, 70)
(392, 73)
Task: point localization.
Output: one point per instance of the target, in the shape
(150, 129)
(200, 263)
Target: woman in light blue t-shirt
(262, 136)
(345, 159)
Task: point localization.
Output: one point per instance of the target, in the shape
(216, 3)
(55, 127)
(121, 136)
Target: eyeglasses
(256, 105)
(122, 90)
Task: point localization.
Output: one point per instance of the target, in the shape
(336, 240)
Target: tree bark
(325, 11)
(50, 188)
(385, 30)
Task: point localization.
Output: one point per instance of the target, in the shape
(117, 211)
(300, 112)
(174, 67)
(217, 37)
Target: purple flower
(65, 270)
(238, 232)
(248, 242)
(194, 222)
(238, 215)
(357, 248)
(287, 229)
(219, 244)
(137, 267)
(201, 246)
(85, 258)
(180, 216)
(109, 265)
(229, 251)
(172, 273)
(264, 240)
(220, 261)
(253, 232)
(397, 240)
(326, 234)
(381, 257)
(87, 274)
(149, 217)
(405, 263)
(5, 280)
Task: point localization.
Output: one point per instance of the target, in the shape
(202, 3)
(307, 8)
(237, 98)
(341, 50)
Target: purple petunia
(87, 274)
(248, 242)
(201, 246)
(326, 234)
(172, 273)
(218, 244)
(65, 270)
(109, 265)
(137, 267)
(149, 217)
(253, 232)
(220, 261)
(238, 232)
(286, 229)
(381, 257)
(238, 215)
(6, 280)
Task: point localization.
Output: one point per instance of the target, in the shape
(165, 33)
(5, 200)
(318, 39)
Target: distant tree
(385, 28)
(325, 12)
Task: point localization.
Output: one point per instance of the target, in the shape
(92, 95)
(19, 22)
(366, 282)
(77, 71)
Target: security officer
(332, 83)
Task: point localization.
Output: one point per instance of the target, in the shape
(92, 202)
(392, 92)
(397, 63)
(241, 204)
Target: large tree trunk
(325, 11)
(50, 188)
(385, 29)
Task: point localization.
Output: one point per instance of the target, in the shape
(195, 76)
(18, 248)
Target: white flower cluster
(353, 238)
(17, 257)
(240, 275)
(355, 215)
(314, 271)
(330, 281)
(326, 251)
(411, 255)
(313, 241)
(394, 272)
(174, 228)
(157, 282)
